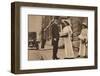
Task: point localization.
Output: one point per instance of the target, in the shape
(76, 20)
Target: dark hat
(66, 22)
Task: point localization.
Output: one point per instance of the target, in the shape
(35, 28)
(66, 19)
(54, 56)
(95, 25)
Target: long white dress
(68, 43)
(82, 48)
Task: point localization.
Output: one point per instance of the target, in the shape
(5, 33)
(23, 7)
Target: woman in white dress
(66, 34)
(83, 41)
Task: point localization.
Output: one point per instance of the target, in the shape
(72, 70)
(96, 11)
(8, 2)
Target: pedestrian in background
(83, 41)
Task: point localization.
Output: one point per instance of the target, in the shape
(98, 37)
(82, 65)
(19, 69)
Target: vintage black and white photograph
(57, 37)
(53, 37)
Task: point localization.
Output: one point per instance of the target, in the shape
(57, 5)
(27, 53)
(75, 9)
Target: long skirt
(82, 49)
(68, 48)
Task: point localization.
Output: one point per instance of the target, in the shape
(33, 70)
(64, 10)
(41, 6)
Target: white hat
(85, 24)
(67, 20)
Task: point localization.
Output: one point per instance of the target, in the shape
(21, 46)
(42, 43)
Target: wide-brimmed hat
(84, 24)
(66, 21)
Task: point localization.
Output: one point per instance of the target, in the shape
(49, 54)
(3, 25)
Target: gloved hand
(55, 39)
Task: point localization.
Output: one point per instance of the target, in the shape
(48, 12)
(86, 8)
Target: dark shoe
(68, 58)
(84, 57)
(78, 56)
(55, 58)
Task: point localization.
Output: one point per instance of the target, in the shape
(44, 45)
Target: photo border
(15, 37)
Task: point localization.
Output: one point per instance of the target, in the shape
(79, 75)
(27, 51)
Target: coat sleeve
(83, 35)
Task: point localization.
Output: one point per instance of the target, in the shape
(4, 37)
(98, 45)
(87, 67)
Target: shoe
(84, 57)
(55, 58)
(69, 58)
(78, 56)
